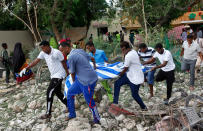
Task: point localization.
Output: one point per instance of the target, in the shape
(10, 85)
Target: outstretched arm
(149, 61)
(35, 62)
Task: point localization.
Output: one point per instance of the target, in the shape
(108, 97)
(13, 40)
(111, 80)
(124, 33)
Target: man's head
(4, 45)
(190, 38)
(65, 48)
(159, 48)
(125, 47)
(90, 46)
(45, 47)
(143, 47)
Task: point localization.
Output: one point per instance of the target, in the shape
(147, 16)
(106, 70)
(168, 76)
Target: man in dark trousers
(58, 70)
(5, 61)
(167, 68)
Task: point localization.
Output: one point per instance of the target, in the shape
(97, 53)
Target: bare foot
(192, 88)
(150, 96)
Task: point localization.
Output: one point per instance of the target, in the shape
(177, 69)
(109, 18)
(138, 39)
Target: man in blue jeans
(131, 75)
(85, 83)
(145, 53)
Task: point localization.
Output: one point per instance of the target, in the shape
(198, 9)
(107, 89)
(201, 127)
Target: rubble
(22, 105)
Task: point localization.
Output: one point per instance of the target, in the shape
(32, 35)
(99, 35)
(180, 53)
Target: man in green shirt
(5, 61)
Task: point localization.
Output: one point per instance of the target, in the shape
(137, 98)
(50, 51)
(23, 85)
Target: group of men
(85, 78)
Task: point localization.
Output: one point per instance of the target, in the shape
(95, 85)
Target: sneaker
(45, 116)
(165, 102)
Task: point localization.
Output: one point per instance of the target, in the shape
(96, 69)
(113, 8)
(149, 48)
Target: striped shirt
(145, 56)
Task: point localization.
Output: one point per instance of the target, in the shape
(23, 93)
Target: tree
(24, 11)
(157, 12)
(54, 15)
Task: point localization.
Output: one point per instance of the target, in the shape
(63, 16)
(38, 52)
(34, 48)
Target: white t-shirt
(191, 52)
(166, 56)
(54, 64)
(134, 73)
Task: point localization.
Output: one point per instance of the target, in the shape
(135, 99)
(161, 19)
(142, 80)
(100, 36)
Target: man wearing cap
(58, 70)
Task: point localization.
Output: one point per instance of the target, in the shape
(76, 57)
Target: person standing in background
(6, 61)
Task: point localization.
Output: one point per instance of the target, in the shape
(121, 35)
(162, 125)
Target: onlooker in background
(199, 61)
(91, 37)
(167, 68)
(131, 75)
(6, 61)
(190, 51)
(122, 36)
(199, 33)
(19, 61)
(118, 37)
(184, 35)
(132, 37)
(146, 53)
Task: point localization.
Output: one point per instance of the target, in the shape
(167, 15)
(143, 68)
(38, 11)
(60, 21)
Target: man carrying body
(58, 70)
(167, 68)
(100, 57)
(190, 51)
(146, 53)
(5, 61)
(131, 75)
(86, 80)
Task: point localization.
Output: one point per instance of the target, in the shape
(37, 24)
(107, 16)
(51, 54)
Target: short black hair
(190, 36)
(3, 44)
(158, 46)
(89, 43)
(142, 46)
(125, 44)
(44, 43)
(65, 44)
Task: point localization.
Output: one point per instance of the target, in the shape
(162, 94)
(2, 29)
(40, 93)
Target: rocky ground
(22, 105)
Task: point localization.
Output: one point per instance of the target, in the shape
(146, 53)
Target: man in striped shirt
(145, 53)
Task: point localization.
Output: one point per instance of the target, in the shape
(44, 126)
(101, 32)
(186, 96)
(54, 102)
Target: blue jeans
(149, 76)
(189, 65)
(88, 92)
(134, 90)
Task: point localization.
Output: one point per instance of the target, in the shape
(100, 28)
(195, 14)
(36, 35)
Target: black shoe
(92, 123)
(166, 102)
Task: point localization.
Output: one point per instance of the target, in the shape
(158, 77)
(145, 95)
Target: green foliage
(111, 49)
(157, 12)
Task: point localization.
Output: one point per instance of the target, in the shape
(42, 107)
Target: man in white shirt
(58, 70)
(132, 75)
(167, 68)
(190, 51)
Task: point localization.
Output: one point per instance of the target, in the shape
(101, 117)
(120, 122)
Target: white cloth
(134, 73)
(54, 64)
(166, 56)
(191, 52)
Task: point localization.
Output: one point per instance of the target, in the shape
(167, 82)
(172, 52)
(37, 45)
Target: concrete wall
(11, 37)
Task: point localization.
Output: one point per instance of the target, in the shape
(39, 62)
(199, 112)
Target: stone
(3, 100)
(130, 124)
(18, 96)
(139, 127)
(19, 106)
(120, 117)
(76, 125)
(97, 128)
(32, 105)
